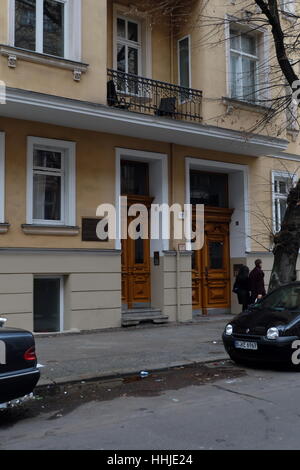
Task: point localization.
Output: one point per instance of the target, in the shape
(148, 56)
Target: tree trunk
(287, 243)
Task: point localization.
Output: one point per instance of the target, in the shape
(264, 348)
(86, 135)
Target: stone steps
(142, 315)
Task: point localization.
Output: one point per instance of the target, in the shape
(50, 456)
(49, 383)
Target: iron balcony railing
(138, 94)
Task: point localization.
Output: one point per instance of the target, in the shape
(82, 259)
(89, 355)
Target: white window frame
(72, 28)
(241, 54)
(263, 50)
(145, 67)
(291, 113)
(287, 6)
(2, 177)
(279, 176)
(61, 297)
(68, 200)
(127, 43)
(188, 36)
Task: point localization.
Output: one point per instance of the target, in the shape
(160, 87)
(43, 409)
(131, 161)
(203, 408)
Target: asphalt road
(217, 408)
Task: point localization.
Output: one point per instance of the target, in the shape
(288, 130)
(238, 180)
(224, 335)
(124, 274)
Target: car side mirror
(2, 322)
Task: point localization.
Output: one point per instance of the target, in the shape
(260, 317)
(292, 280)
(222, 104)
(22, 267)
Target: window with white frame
(184, 64)
(128, 51)
(292, 117)
(287, 6)
(291, 111)
(282, 183)
(40, 25)
(50, 27)
(2, 177)
(51, 182)
(244, 62)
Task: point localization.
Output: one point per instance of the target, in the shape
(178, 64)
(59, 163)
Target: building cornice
(22, 104)
(286, 156)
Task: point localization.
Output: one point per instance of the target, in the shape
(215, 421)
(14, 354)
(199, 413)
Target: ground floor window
(50, 182)
(48, 304)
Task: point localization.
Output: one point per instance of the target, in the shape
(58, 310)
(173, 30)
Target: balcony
(143, 95)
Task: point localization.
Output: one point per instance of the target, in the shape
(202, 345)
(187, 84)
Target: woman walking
(242, 287)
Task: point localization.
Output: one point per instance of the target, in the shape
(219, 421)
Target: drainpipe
(172, 50)
(178, 286)
(178, 277)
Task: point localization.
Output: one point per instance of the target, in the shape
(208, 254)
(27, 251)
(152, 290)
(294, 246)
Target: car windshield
(285, 298)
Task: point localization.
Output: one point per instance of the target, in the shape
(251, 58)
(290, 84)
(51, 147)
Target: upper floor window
(128, 45)
(51, 182)
(244, 61)
(41, 26)
(184, 63)
(282, 183)
(128, 52)
(2, 177)
(292, 117)
(287, 6)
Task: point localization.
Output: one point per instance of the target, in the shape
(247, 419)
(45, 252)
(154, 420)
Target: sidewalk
(109, 353)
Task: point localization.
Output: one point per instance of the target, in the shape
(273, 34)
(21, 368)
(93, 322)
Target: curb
(196, 321)
(69, 380)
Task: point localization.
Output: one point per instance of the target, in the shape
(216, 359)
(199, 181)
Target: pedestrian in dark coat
(257, 284)
(242, 287)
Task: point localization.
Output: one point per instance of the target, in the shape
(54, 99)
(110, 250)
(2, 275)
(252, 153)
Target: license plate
(245, 345)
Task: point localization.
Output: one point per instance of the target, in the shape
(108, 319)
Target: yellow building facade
(106, 98)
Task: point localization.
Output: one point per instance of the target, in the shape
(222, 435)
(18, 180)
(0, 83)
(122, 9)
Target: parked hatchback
(18, 363)
(268, 331)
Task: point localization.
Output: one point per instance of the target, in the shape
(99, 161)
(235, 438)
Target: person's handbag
(235, 289)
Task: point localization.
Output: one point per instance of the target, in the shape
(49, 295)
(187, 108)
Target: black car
(18, 363)
(269, 331)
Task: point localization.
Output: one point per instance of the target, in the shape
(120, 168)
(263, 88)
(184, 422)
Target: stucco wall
(95, 180)
(208, 61)
(53, 80)
(92, 286)
(164, 286)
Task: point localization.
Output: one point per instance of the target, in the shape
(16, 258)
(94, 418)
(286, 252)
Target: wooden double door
(136, 272)
(211, 265)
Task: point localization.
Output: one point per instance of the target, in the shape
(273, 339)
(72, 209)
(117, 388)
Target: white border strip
(189, 162)
(2, 177)
(145, 156)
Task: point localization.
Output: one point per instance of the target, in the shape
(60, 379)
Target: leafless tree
(283, 24)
